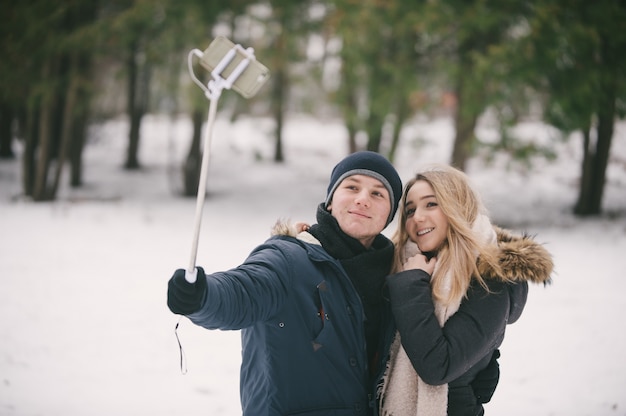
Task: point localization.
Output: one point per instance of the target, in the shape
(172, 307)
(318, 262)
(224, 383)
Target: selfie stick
(212, 91)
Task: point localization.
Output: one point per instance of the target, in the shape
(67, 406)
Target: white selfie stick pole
(204, 171)
(212, 91)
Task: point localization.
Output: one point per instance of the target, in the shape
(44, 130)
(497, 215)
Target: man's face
(361, 206)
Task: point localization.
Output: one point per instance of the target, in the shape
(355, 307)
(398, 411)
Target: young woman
(459, 282)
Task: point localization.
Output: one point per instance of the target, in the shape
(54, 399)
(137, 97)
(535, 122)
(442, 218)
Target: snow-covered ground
(83, 319)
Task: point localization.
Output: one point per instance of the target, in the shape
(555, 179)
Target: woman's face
(425, 222)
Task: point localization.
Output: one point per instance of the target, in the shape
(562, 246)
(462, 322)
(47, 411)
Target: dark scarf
(366, 268)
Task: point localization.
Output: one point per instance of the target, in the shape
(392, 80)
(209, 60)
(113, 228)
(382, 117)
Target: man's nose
(363, 198)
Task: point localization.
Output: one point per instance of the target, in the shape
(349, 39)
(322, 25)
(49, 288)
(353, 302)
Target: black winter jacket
(464, 346)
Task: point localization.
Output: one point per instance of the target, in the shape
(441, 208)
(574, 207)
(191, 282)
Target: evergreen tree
(578, 50)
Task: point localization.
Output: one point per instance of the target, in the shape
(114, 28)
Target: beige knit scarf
(403, 392)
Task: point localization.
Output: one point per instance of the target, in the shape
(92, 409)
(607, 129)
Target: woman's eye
(431, 204)
(409, 212)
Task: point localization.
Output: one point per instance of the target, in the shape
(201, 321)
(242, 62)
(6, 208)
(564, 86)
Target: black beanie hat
(370, 164)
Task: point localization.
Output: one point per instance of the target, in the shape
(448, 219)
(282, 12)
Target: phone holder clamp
(214, 88)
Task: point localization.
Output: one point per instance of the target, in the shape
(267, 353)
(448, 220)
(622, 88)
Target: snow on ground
(84, 323)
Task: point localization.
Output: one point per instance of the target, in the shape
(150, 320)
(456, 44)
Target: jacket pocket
(323, 322)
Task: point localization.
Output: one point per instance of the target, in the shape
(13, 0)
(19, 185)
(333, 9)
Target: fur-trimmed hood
(521, 259)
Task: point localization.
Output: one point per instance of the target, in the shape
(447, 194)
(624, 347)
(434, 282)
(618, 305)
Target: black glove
(486, 380)
(184, 298)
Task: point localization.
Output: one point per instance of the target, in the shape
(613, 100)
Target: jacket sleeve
(440, 355)
(249, 293)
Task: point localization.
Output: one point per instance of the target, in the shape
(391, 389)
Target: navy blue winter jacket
(302, 331)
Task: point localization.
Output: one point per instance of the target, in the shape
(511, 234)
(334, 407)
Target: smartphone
(249, 81)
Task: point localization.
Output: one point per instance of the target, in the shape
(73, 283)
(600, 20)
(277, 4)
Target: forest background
(375, 65)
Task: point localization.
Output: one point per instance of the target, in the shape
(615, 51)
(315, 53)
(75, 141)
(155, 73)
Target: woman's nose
(417, 216)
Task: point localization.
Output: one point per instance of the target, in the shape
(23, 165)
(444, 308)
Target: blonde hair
(459, 252)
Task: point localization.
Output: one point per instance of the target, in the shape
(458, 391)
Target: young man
(310, 306)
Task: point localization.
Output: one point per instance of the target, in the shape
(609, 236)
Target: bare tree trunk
(79, 131)
(279, 113)
(595, 161)
(30, 148)
(135, 107)
(193, 164)
(66, 124)
(464, 122)
(374, 128)
(596, 157)
(348, 100)
(350, 117)
(401, 116)
(352, 131)
(45, 136)
(6, 132)
(376, 117)
(585, 174)
(43, 154)
(280, 84)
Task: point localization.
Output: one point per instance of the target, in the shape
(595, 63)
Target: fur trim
(297, 230)
(521, 259)
(285, 227)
